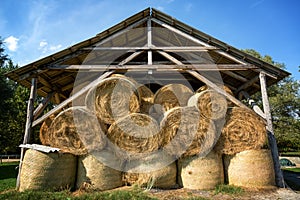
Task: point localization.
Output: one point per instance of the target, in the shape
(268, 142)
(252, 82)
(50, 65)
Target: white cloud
(11, 43)
(55, 48)
(43, 43)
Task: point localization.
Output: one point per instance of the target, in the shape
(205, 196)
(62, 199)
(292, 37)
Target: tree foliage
(284, 100)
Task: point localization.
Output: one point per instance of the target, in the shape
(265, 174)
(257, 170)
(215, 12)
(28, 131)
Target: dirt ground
(260, 194)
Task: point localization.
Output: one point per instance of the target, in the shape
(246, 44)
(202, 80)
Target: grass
(297, 153)
(133, 194)
(8, 175)
(297, 170)
(228, 189)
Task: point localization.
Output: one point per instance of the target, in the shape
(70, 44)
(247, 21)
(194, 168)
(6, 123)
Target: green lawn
(8, 175)
(297, 153)
(292, 169)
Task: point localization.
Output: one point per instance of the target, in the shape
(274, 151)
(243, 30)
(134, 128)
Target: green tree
(284, 100)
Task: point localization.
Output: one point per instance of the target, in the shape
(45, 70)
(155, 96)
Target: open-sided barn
(155, 49)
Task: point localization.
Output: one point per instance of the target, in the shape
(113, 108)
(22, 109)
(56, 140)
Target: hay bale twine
(251, 168)
(134, 135)
(157, 170)
(44, 135)
(77, 130)
(185, 131)
(113, 98)
(171, 96)
(47, 171)
(210, 103)
(201, 172)
(93, 173)
(243, 130)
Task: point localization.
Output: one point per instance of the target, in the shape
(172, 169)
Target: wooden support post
(271, 137)
(149, 41)
(29, 120)
(42, 106)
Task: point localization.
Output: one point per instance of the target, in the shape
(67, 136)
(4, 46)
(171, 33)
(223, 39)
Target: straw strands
(52, 171)
(135, 134)
(44, 136)
(252, 168)
(156, 170)
(243, 130)
(185, 131)
(113, 98)
(201, 172)
(171, 96)
(210, 103)
(92, 174)
(77, 131)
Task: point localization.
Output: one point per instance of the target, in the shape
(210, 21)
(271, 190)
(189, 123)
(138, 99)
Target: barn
(155, 50)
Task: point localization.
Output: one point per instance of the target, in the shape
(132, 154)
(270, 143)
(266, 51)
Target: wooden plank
(216, 88)
(42, 106)
(271, 137)
(153, 48)
(28, 126)
(57, 98)
(149, 41)
(247, 84)
(70, 99)
(203, 67)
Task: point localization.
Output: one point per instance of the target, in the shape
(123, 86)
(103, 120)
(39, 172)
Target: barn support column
(29, 120)
(271, 137)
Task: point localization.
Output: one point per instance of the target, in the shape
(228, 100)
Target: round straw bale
(77, 130)
(210, 103)
(93, 173)
(201, 172)
(44, 135)
(185, 131)
(146, 95)
(251, 168)
(134, 135)
(171, 96)
(243, 130)
(47, 171)
(224, 87)
(157, 170)
(113, 98)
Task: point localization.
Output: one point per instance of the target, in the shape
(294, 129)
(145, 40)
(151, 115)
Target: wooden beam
(270, 132)
(247, 84)
(149, 41)
(203, 67)
(152, 48)
(42, 106)
(121, 32)
(216, 88)
(28, 126)
(70, 99)
(57, 98)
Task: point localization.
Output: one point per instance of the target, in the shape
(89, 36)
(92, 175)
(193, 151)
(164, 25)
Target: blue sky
(33, 29)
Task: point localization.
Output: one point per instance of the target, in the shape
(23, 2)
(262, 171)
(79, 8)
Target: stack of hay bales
(119, 142)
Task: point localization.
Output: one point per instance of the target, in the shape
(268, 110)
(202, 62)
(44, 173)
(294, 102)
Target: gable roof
(124, 46)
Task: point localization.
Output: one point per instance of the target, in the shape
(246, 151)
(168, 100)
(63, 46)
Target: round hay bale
(146, 95)
(185, 131)
(113, 98)
(210, 103)
(151, 172)
(243, 130)
(171, 96)
(47, 171)
(201, 172)
(77, 130)
(251, 168)
(44, 135)
(224, 87)
(134, 135)
(94, 174)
